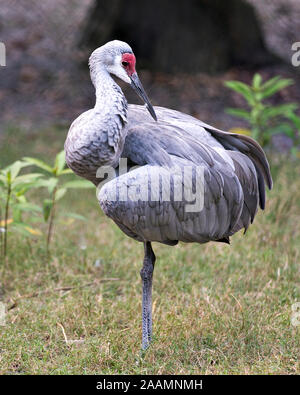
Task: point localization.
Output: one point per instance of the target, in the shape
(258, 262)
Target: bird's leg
(146, 275)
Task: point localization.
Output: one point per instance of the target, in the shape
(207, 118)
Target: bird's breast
(92, 145)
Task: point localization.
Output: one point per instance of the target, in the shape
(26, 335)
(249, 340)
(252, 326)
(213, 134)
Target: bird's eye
(125, 63)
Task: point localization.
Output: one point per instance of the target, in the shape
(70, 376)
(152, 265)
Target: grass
(218, 309)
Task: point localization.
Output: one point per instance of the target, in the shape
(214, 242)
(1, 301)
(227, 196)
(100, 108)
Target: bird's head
(118, 59)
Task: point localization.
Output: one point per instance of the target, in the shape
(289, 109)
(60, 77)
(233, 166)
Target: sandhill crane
(163, 142)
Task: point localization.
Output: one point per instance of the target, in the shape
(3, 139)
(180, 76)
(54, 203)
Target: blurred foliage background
(185, 51)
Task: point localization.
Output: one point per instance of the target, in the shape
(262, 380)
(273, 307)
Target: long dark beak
(138, 87)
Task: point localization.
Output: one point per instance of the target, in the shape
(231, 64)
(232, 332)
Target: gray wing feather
(168, 221)
(235, 168)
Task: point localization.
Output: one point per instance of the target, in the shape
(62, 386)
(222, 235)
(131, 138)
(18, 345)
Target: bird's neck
(96, 138)
(111, 113)
(110, 99)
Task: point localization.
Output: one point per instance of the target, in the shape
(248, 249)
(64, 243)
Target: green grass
(217, 309)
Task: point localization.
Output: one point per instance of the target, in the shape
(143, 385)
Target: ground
(217, 309)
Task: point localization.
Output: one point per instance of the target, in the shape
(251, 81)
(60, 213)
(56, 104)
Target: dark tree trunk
(184, 36)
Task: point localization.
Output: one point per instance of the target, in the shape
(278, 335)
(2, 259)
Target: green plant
(13, 188)
(56, 188)
(265, 119)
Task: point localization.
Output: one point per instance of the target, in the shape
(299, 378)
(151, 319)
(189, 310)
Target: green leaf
(60, 193)
(39, 163)
(275, 87)
(294, 118)
(276, 111)
(47, 207)
(270, 82)
(52, 184)
(25, 179)
(16, 167)
(49, 183)
(20, 198)
(20, 189)
(243, 89)
(256, 81)
(79, 184)
(60, 162)
(66, 171)
(237, 112)
(8, 177)
(258, 96)
(255, 114)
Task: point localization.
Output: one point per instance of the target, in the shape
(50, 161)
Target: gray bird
(184, 180)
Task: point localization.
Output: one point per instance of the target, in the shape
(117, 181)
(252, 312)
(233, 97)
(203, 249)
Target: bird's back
(233, 170)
